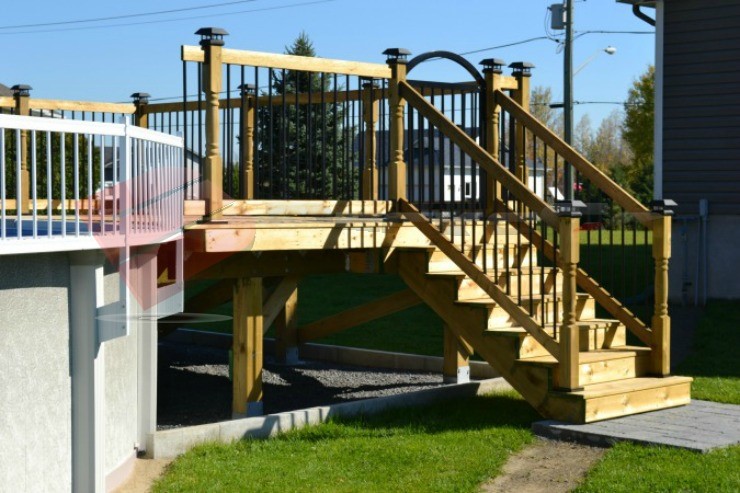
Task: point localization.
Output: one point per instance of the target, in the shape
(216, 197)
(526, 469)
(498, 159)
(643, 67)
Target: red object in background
(578, 187)
(595, 226)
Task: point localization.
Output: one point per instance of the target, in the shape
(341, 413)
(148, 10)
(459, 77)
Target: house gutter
(642, 15)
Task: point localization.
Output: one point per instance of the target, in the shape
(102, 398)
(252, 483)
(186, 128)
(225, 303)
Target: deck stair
(614, 376)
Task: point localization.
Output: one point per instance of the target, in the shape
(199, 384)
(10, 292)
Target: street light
(609, 50)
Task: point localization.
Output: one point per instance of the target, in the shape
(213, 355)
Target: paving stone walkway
(700, 426)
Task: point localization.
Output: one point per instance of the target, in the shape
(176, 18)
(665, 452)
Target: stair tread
(525, 299)
(491, 272)
(595, 355)
(604, 389)
(594, 323)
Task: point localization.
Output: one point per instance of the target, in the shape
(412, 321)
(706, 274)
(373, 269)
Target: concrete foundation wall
(723, 260)
(35, 384)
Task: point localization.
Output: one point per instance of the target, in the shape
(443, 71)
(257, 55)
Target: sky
(108, 60)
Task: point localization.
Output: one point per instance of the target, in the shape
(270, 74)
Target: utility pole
(568, 94)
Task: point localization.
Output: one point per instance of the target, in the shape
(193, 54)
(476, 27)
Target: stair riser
(639, 401)
(470, 290)
(608, 371)
(591, 338)
(585, 309)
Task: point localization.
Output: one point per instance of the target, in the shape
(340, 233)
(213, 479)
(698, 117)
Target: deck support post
(456, 358)
(21, 94)
(397, 58)
(246, 181)
(371, 109)
(522, 72)
(143, 286)
(660, 356)
(286, 328)
(569, 331)
(212, 43)
(87, 371)
(247, 348)
(141, 115)
(492, 71)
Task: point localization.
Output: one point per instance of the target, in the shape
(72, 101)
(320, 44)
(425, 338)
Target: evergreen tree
(304, 149)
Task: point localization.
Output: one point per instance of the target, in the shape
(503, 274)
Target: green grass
(633, 468)
(714, 361)
(713, 364)
(451, 446)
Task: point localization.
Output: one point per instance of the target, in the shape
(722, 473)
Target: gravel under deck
(194, 386)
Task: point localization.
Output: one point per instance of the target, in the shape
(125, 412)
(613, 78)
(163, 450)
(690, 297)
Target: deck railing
(91, 184)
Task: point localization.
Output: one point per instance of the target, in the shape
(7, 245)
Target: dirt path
(546, 466)
(146, 471)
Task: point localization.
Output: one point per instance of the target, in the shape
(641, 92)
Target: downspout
(658, 109)
(642, 15)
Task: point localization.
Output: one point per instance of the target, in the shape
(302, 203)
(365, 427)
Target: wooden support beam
(492, 138)
(660, 358)
(286, 323)
(248, 115)
(263, 264)
(247, 347)
(275, 302)
(456, 358)
(358, 315)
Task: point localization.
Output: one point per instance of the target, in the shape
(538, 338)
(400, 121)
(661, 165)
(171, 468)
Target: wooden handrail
(613, 306)
(292, 62)
(475, 273)
(490, 164)
(91, 106)
(595, 175)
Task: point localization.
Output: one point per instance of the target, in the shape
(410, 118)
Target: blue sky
(109, 63)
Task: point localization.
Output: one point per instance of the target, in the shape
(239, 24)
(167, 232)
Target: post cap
(140, 97)
(494, 65)
(399, 55)
(663, 207)
(211, 36)
(569, 208)
(21, 90)
(523, 69)
(248, 88)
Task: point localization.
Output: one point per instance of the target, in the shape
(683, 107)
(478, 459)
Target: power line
(127, 16)
(515, 43)
(161, 21)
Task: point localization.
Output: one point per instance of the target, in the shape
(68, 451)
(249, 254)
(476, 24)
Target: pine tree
(303, 150)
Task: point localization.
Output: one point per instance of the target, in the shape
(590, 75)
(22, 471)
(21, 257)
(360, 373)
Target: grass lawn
(452, 446)
(713, 364)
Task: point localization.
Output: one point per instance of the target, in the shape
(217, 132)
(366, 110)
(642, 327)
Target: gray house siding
(701, 126)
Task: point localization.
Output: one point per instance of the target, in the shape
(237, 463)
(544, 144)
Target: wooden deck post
(396, 60)
(246, 180)
(21, 94)
(212, 43)
(569, 332)
(141, 116)
(522, 72)
(247, 348)
(492, 70)
(371, 109)
(286, 328)
(456, 358)
(660, 356)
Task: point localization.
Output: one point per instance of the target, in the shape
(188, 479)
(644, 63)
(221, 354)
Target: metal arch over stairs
(447, 55)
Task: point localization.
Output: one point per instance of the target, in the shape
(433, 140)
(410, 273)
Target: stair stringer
(469, 323)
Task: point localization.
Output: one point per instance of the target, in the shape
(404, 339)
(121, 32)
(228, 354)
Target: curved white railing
(84, 185)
